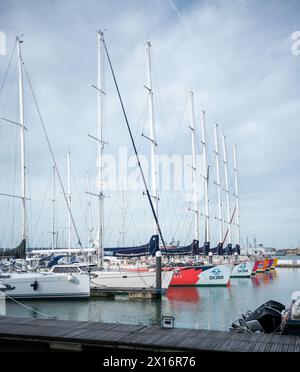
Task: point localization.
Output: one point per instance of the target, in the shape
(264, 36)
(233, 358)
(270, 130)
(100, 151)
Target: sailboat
(36, 285)
(102, 276)
(200, 275)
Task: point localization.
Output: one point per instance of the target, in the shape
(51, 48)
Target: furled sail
(18, 252)
(237, 249)
(148, 249)
(191, 249)
(218, 249)
(228, 250)
(204, 250)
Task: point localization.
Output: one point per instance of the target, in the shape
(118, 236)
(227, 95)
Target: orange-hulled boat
(255, 267)
(262, 265)
(270, 263)
(275, 262)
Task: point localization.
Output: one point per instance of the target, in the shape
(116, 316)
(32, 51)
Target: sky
(239, 59)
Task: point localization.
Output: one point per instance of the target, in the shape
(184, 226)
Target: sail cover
(205, 249)
(218, 250)
(228, 250)
(148, 249)
(191, 249)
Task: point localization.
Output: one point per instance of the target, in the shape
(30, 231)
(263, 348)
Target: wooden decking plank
(249, 347)
(149, 337)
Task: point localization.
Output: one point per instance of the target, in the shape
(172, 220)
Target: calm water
(206, 308)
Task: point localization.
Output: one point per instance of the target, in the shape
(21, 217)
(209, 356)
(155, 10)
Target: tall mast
(123, 216)
(53, 208)
(152, 138)
(100, 121)
(218, 183)
(194, 169)
(69, 200)
(89, 212)
(134, 147)
(203, 141)
(226, 187)
(236, 194)
(22, 141)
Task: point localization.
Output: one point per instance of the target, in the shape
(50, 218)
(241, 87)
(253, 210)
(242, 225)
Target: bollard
(236, 256)
(158, 270)
(210, 257)
(2, 302)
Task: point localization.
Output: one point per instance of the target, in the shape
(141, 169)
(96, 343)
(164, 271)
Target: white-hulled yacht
(36, 284)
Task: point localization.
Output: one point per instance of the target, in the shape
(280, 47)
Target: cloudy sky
(237, 58)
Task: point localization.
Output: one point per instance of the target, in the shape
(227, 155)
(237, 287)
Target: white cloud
(239, 65)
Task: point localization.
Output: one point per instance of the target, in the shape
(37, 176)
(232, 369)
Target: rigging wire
(53, 158)
(42, 206)
(8, 67)
(134, 146)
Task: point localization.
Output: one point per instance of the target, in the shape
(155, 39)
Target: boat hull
(243, 269)
(129, 279)
(202, 276)
(255, 267)
(275, 262)
(262, 265)
(39, 286)
(269, 264)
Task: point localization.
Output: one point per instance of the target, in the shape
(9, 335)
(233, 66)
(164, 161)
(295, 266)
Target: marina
(142, 203)
(212, 308)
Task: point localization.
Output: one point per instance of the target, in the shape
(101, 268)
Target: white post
(218, 183)
(203, 141)
(22, 141)
(194, 166)
(69, 200)
(236, 194)
(53, 208)
(226, 187)
(210, 258)
(89, 212)
(100, 121)
(154, 171)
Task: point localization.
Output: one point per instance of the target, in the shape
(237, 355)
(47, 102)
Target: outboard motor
(266, 318)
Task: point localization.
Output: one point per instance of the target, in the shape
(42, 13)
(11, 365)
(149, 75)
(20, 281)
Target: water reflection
(264, 278)
(192, 307)
(183, 293)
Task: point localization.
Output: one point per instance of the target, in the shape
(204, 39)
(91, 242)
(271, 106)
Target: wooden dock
(44, 334)
(133, 293)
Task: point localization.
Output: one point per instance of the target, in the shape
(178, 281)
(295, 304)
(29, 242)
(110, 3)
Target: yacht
(35, 285)
(106, 278)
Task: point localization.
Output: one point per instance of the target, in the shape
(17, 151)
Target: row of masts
(195, 210)
(100, 88)
(205, 176)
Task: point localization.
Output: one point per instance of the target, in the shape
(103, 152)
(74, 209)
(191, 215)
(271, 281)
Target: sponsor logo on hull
(216, 275)
(243, 268)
